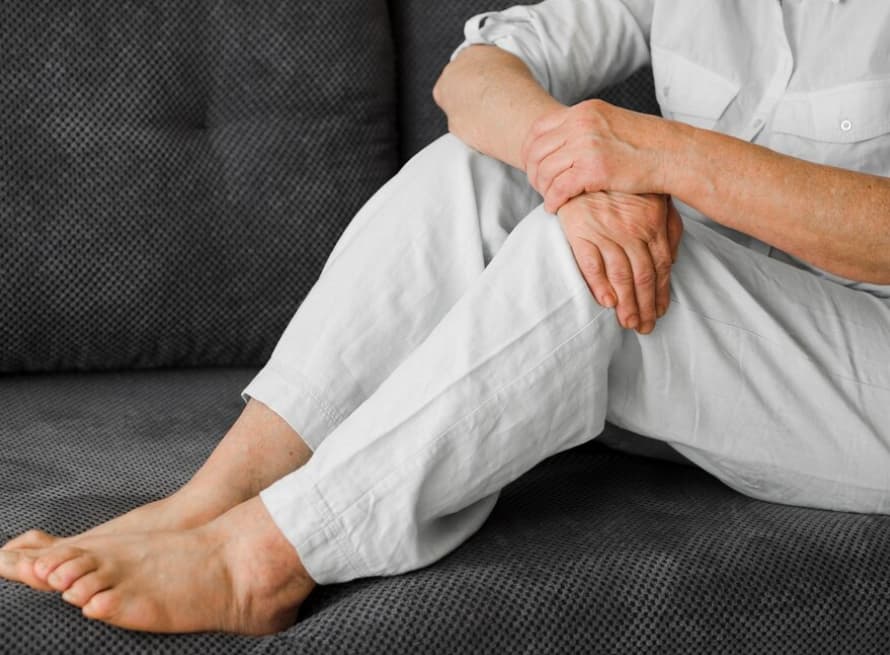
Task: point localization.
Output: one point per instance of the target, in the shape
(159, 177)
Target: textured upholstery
(426, 33)
(173, 174)
(593, 551)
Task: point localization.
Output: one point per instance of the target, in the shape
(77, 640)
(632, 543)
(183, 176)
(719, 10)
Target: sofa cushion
(173, 174)
(591, 551)
(426, 33)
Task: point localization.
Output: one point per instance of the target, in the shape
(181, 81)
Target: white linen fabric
(808, 78)
(450, 343)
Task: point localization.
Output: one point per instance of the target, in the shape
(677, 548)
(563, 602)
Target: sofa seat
(593, 551)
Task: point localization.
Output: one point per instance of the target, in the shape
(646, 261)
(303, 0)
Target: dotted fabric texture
(173, 174)
(592, 551)
(426, 33)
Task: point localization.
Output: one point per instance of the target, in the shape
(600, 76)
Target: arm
(548, 56)
(835, 219)
(491, 100)
(551, 54)
(624, 246)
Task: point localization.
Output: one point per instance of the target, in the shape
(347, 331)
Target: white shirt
(809, 78)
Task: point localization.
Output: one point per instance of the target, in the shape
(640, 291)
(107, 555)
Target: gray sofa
(172, 176)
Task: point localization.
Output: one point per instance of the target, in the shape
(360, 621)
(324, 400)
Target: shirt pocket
(844, 114)
(688, 91)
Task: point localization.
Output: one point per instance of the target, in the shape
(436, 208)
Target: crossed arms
(835, 219)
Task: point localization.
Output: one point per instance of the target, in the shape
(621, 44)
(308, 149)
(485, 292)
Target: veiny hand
(625, 245)
(593, 146)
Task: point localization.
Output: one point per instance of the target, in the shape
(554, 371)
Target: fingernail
(40, 569)
(660, 311)
(647, 328)
(608, 300)
(633, 321)
(53, 579)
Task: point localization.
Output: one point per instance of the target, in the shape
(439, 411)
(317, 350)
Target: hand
(624, 246)
(593, 146)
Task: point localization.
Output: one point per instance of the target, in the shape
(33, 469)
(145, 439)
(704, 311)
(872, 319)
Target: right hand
(625, 245)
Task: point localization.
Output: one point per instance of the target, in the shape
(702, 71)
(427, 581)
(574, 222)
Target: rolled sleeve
(573, 48)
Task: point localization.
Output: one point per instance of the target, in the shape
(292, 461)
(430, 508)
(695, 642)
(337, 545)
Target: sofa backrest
(173, 174)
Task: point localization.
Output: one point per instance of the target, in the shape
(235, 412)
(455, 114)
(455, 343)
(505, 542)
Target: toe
(68, 572)
(19, 567)
(30, 539)
(50, 559)
(103, 605)
(84, 588)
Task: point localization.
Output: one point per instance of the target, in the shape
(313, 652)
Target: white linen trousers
(451, 344)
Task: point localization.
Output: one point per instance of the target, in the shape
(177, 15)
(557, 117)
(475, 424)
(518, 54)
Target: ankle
(277, 576)
(196, 505)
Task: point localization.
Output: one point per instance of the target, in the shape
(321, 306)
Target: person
(508, 291)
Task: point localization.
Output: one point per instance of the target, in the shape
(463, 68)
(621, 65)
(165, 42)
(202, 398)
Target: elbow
(442, 98)
(439, 89)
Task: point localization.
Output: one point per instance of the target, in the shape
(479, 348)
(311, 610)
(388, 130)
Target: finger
(558, 179)
(541, 148)
(674, 229)
(549, 121)
(593, 270)
(573, 171)
(644, 283)
(620, 275)
(660, 252)
(539, 127)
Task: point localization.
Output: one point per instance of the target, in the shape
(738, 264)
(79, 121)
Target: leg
(258, 449)
(526, 364)
(773, 379)
(112, 577)
(412, 250)
(769, 377)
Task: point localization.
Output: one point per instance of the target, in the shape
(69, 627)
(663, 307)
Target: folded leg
(407, 256)
(774, 380)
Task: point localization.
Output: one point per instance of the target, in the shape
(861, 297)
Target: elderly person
(718, 279)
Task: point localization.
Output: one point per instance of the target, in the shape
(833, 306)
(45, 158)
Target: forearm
(835, 219)
(491, 100)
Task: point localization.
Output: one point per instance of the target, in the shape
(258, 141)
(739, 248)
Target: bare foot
(258, 449)
(237, 573)
(176, 512)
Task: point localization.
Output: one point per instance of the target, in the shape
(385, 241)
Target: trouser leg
(771, 378)
(409, 253)
(774, 380)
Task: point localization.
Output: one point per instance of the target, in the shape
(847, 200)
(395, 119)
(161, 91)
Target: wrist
(674, 157)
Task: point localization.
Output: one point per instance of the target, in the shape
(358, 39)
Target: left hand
(593, 146)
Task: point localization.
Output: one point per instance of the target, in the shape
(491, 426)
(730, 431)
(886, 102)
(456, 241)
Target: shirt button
(846, 125)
